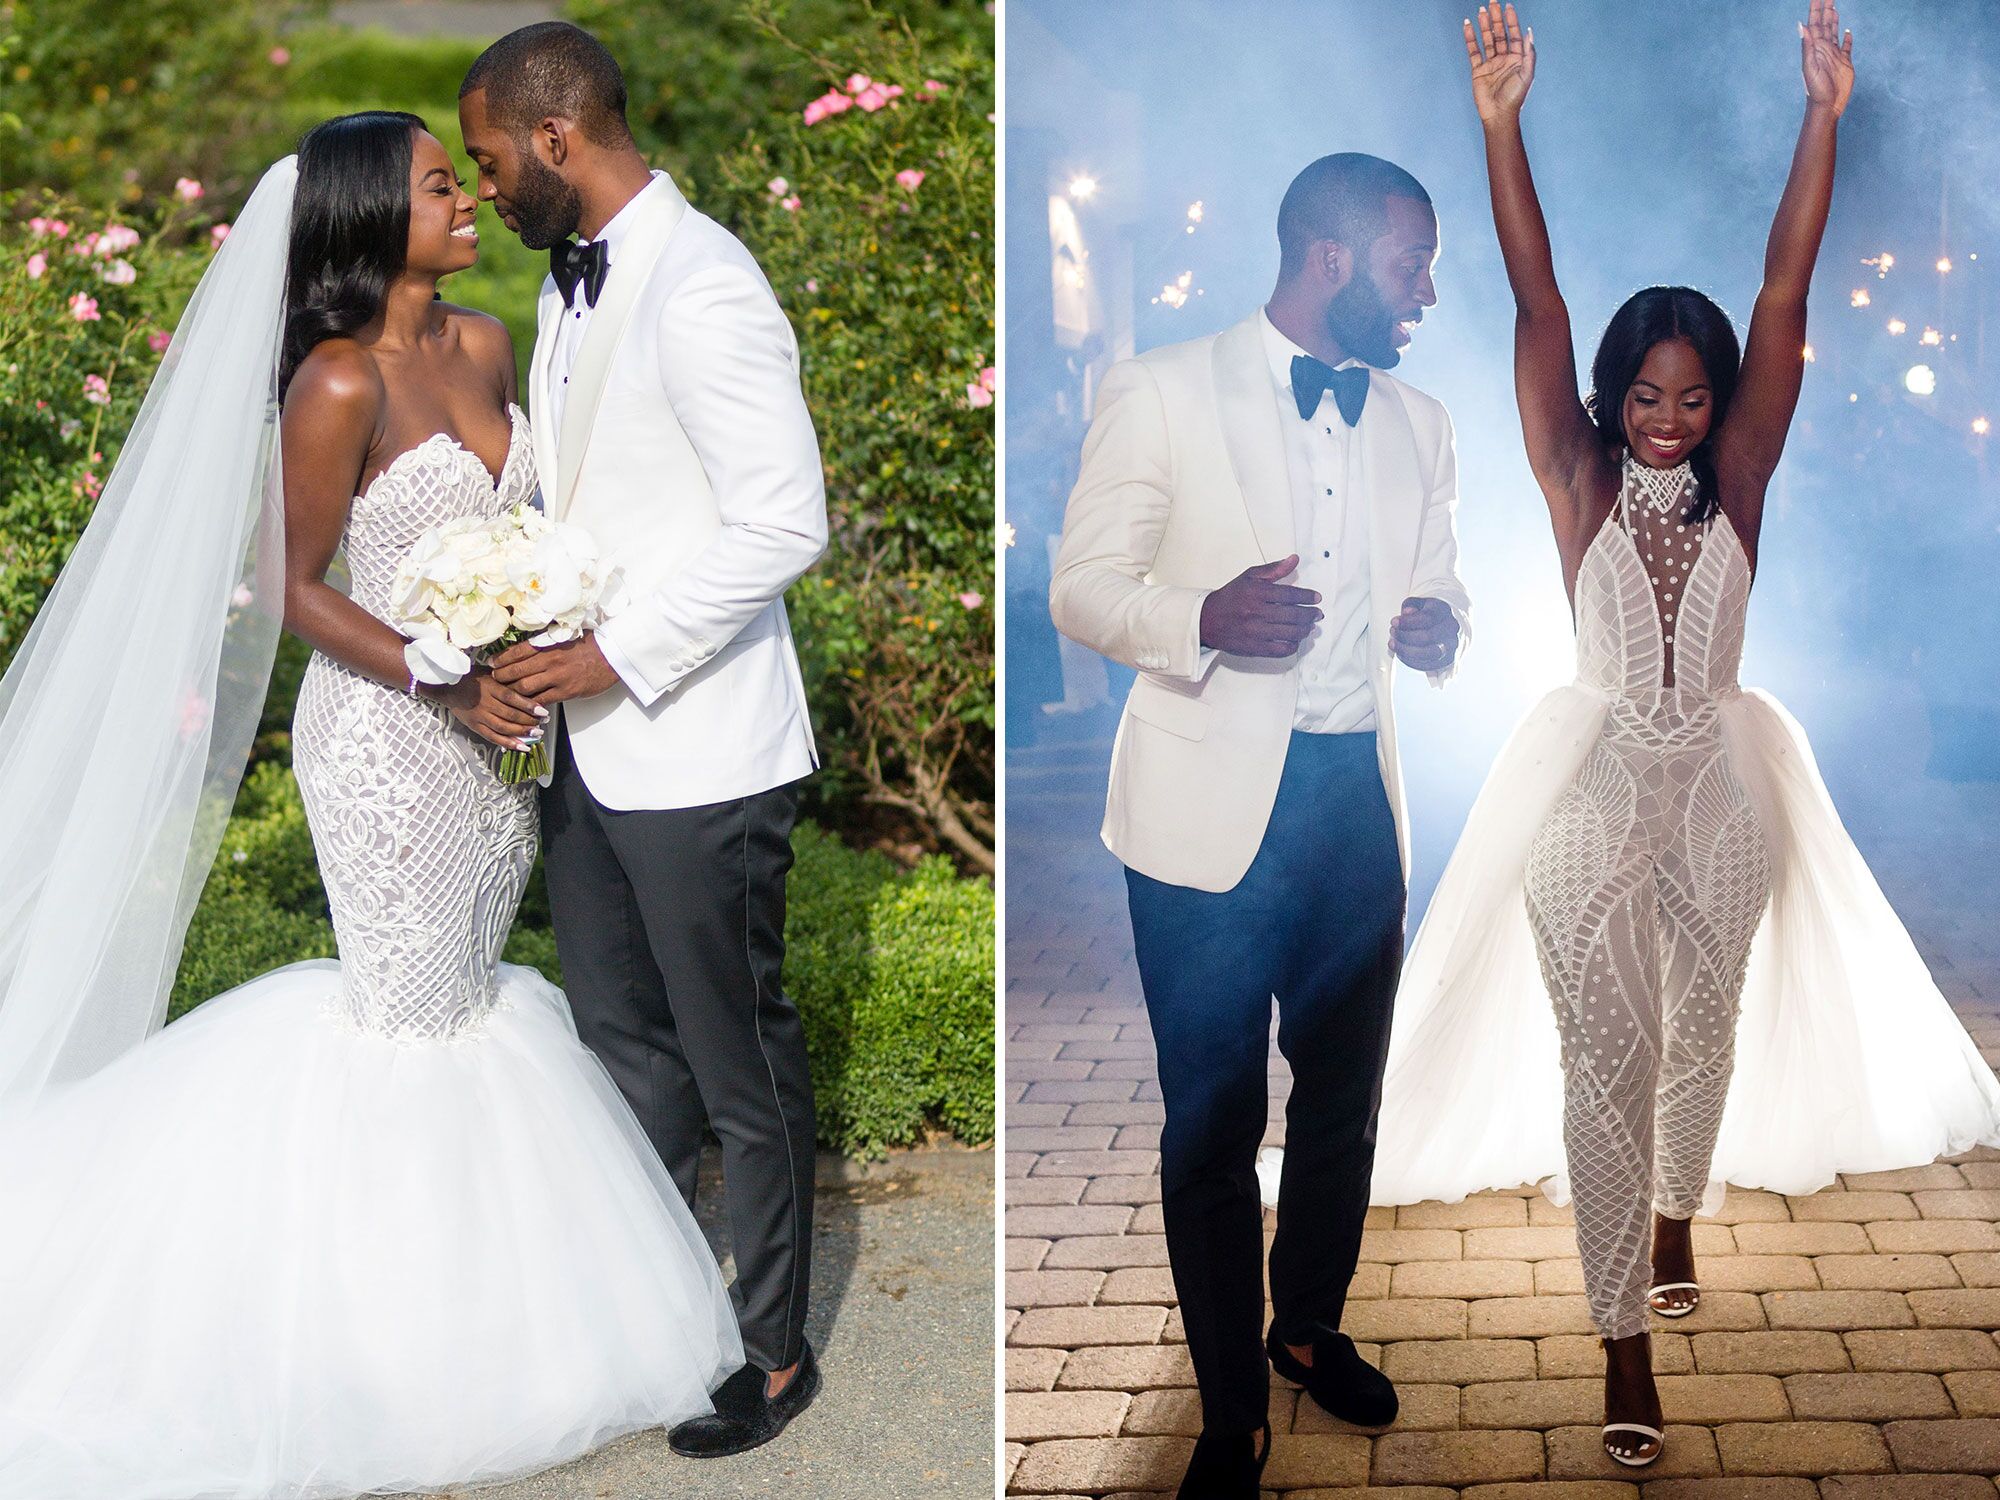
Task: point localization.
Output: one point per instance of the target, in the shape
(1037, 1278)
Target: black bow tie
(1313, 378)
(571, 264)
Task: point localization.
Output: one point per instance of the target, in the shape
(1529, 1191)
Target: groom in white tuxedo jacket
(1262, 527)
(669, 424)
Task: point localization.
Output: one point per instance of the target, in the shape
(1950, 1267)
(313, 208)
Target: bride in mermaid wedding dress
(381, 1224)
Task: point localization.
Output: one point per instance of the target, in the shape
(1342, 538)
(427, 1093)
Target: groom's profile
(670, 425)
(1262, 526)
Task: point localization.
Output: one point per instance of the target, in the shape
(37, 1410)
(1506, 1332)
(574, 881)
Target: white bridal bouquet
(481, 584)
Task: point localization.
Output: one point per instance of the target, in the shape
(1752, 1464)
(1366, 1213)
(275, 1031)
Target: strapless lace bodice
(424, 851)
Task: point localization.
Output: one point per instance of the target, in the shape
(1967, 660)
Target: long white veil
(126, 719)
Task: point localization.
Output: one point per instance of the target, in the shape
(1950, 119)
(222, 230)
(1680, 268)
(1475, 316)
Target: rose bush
(86, 306)
(870, 207)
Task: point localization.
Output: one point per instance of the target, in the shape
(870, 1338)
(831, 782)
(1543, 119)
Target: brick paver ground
(1845, 1348)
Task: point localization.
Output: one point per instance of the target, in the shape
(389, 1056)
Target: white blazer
(1184, 485)
(687, 452)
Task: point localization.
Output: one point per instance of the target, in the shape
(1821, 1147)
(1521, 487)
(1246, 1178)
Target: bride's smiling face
(1669, 407)
(442, 237)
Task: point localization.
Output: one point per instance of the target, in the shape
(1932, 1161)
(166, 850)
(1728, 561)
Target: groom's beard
(546, 209)
(1362, 323)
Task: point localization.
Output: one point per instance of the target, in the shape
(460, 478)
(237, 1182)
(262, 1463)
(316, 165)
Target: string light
(1811, 358)
(1859, 297)
(1195, 212)
(1898, 326)
(1932, 337)
(1881, 263)
(1083, 187)
(1920, 380)
(1944, 265)
(1980, 426)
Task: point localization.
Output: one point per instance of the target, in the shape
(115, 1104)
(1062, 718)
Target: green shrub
(112, 100)
(875, 225)
(77, 351)
(891, 970)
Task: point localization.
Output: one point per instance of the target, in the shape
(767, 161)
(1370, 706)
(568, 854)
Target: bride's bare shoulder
(483, 337)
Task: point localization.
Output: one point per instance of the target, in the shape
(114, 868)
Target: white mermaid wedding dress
(375, 1225)
(1846, 1056)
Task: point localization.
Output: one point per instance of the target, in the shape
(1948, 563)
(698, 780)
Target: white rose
(476, 620)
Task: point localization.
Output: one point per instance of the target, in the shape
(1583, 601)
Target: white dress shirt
(562, 360)
(1330, 518)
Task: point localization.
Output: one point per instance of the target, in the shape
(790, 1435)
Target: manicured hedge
(891, 969)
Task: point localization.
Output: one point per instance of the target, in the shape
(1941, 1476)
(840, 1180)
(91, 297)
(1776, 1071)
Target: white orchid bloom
(431, 657)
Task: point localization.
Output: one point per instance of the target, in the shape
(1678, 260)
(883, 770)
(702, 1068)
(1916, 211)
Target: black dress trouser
(1317, 922)
(671, 930)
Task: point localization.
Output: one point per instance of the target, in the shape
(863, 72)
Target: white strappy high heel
(1652, 1434)
(1674, 1286)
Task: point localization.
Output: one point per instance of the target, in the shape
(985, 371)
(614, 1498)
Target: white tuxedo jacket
(1184, 485)
(687, 452)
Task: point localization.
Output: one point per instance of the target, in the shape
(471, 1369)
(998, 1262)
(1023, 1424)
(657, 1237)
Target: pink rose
(85, 246)
(832, 102)
(279, 57)
(909, 179)
(69, 427)
(90, 486)
(219, 233)
(96, 390)
(893, 91)
(871, 98)
(38, 265)
(933, 87)
(242, 598)
(187, 189)
(856, 82)
(812, 283)
(55, 228)
(789, 205)
(977, 395)
(116, 239)
(777, 187)
(158, 340)
(971, 599)
(119, 273)
(84, 309)
(990, 378)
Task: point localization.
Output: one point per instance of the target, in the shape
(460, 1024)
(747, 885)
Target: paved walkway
(902, 1318)
(1844, 1347)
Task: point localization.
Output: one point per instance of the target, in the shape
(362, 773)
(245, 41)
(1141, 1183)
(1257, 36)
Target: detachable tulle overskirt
(265, 1256)
(1848, 1059)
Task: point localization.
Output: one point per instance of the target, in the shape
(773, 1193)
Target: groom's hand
(1255, 615)
(1425, 634)
(556, 674)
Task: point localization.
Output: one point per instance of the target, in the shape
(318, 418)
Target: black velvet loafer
(1226, 1466)
(744, 1416)
(1339, 1379)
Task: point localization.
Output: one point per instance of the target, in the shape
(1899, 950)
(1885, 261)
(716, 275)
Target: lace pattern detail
(424, 851)
(1646, 884)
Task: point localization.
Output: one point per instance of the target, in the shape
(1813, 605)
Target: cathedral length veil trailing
(127, 716)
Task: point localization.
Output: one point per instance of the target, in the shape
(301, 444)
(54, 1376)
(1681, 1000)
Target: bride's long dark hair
(350, 229)
(1653, 316)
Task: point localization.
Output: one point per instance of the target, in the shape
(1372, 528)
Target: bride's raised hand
(1826, 59)
(1503, 61)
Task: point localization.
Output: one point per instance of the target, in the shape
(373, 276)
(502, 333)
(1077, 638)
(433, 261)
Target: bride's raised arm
(1767, 393)
(1562, 444)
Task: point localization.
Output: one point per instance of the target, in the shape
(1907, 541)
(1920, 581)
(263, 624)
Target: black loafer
(1339, 1379)
(744, 1416)
(1226, 1466)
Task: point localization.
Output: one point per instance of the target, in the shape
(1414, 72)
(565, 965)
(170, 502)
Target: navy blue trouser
(1317, 923)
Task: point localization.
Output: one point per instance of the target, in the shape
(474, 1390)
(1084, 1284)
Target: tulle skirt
(264, 1256)
(1848, 1059)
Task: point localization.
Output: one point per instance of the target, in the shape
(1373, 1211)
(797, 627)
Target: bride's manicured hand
(1503, 61)
(1425, 635)
(556, 674)
(491, 709)
(1826, 58)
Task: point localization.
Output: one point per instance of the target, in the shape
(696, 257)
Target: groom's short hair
(1343, 197)
(551, 70)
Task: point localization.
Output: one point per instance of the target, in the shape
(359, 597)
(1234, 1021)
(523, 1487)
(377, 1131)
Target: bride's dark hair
(350, 228)
(1654, 316)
